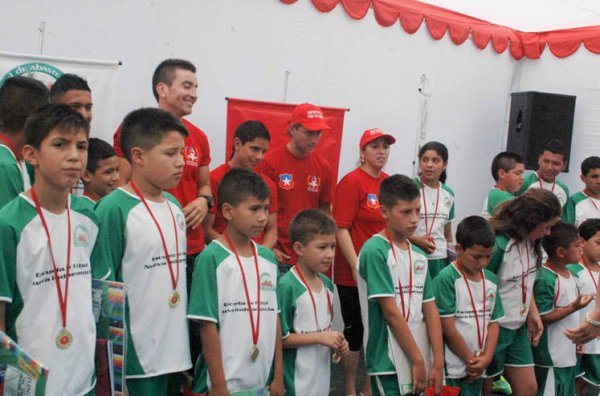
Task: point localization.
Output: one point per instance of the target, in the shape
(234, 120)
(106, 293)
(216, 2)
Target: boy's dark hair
(146, 128)
(50, 117)
(589, 228)
(589, 164)
(98, 150)
(308, 223)
(239, 184)
(395, 188)
(506, 161)
(249, 130)
(65, 83)
(20, 97)
(475, 230)
(439, 148)
(561, 236)
(556, 146)
(165, 72)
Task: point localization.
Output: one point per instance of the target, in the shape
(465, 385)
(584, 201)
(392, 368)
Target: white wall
(243, 49)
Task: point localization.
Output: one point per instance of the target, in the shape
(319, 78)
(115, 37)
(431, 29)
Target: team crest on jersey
(81, 236)
(286, 181)
(491, 296)
(191, 155)
(266, 282)
(447, 202)
(372, 201)
(314, 183)
(180, 221)
(419, 267)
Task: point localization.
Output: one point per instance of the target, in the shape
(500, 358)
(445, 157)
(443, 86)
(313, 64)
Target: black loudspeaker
(535, 119)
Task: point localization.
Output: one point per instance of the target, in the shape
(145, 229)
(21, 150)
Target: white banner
(100, 75)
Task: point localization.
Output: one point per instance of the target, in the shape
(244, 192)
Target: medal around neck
(64, 338)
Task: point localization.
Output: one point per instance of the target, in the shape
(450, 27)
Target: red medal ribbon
(592, 201)
(410, 279)
(499, 188)
(549, 265)
(11, 146)
(540, 181)
(523, 274)
(480, 335)
(312, 299)
(587, 267)
(62, 301)
(174, 278)
(428, 229)
(255, 330)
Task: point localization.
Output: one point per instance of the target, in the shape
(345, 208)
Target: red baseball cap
(373, 134)
(309, 116)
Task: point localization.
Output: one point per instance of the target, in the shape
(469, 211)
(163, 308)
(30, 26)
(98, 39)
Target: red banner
(276, 116)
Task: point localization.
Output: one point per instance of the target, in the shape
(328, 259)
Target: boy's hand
(436, 375)
(280, 256)
(195, 212)
(477, 365)
(345, 349)
(582, 301)
(536, 327)
(332, 339)
(424, 242)
(419, 377)
(218, 391)
(277, 388)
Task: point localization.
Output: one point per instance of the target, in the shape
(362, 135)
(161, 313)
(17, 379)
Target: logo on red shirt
(286, 181)
(313, 183)
(191, 155)
(372, 201)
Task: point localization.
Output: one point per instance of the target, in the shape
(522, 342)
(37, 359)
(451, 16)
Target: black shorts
(353, 326)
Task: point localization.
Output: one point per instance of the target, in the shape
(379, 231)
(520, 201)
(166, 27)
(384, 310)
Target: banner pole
(42, 30)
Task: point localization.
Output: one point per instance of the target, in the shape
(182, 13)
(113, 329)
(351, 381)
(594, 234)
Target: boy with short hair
(585, 204)
(305, 298)
(19, 98)
(73, 91)
(507, 170)
(558, 301)
(587, 272)
(50, 249)
(250, 143)
(233, 277)
(469, 304)
(146, 229)
(101, 174)
(397, 299)
(552, 161)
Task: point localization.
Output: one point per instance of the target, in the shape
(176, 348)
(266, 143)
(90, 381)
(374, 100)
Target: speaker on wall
(535, 119)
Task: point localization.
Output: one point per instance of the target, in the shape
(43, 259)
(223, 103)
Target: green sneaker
(501, 385)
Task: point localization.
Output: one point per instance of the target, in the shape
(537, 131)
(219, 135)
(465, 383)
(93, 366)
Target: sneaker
(501, 386)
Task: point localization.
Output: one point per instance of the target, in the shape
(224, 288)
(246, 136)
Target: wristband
(592, 321)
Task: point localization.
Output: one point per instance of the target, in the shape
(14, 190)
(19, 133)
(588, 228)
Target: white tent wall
(244, 48)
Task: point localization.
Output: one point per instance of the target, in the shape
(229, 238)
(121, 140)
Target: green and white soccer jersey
(587, 286)
(444, 215)
(306, 369)
(27, 285)
(15, 178)
(559, 189)
(581, 207)
(511, 264)
(379, 274)
(218, 295)
(553, 291)
(494, 198)
(453, 301)
(157, 341)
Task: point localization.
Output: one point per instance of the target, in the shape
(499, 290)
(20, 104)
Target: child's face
(79, 100)
(162, 165)
(61, 158)
(542, 230)
(572, 253)
(104, 180)
(550, 165)
(376, 153)
(592, 181)
(591, 248)
(475, 258)
(432, 165)
(318, 253)
(249, 217)
(250, 153)
(513, 179)
(403, 218)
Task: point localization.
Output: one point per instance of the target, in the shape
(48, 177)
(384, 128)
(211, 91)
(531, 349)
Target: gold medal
(336, 358)
(478, 353)
(174, 299)
(523, 310)
(254, 352)
(64, 338)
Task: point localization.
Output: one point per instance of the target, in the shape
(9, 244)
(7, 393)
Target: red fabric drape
(439, 21)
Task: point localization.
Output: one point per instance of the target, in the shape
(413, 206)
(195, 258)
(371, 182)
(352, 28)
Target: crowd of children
(252, 312)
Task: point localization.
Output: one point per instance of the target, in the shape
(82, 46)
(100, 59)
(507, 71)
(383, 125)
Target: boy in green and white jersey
(467, 298)
(558, 301)
(19, 98)
(585, 204)
(240, 346)
(587, 272)
(50, 249)
(102, 171)
(146, 229)
(507, 171)
(552, 161)
(305, 298)
(397, 301)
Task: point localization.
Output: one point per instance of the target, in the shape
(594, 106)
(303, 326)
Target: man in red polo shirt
(303, 178)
